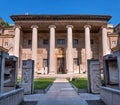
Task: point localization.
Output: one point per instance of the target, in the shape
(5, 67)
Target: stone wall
(14, 97)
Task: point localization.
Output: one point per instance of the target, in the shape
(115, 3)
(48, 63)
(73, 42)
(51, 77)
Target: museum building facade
(61, 44)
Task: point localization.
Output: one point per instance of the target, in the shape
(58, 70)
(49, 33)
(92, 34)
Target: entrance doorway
(60, 66)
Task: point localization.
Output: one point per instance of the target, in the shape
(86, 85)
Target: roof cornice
(59, 17)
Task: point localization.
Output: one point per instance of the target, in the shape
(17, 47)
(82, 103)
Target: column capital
(87, 26)
(17, 26)
(69, 26)
(104, 26)
(34, 26)
(52, 26)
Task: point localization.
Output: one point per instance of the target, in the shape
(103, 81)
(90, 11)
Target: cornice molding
(59, 17)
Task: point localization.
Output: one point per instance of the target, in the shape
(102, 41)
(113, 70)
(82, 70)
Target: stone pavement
(61, 93)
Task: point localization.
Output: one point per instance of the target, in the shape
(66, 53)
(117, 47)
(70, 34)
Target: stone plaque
(28, 76)
(94, 76)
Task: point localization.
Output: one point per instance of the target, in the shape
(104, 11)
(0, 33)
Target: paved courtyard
(61, 93)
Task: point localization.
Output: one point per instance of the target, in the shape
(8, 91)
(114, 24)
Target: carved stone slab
(27, 76)
(94, 76)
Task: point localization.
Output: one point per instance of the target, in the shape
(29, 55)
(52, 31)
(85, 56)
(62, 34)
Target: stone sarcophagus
(111, 69)
(94, 78)
(28, 76)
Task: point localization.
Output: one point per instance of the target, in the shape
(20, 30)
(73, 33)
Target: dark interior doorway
(60, 66)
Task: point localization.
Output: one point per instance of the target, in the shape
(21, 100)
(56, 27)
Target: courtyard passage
(61, 93)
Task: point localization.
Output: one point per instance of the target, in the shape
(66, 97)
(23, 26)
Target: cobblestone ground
(61, 93)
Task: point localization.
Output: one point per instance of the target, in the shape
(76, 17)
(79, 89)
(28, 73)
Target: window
(45, 62)
(29, 42)
(0, 31)
(92, 41)
(75, 41)
(60, 41)
(24, 63)
(45, 41)
(6, 43)
(75, 61)
(114, 42)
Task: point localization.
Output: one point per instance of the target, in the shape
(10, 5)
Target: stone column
(17, 40)
(34, 45)
(52, 50)
(88, 54)
(105, 41)
(69, 49)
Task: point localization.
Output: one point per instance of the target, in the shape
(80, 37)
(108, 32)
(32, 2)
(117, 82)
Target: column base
(51, 73)
(70, 72)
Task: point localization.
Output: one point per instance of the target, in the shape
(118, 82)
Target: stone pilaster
(34, 44)
(52, 50)
(69, 49)
(88, 54)
(17, 41)
(105, 46)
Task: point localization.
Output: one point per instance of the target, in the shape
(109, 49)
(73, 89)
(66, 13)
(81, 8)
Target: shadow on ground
(95, 102)
(29, 103)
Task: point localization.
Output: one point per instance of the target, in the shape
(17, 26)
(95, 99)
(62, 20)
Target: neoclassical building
(62, 43)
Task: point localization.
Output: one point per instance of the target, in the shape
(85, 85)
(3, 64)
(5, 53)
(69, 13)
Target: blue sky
(108, 7)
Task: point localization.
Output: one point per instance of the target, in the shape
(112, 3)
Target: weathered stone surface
(113, 72)
(14, 97)
(94, 76)
(110, 96)
(27, 76)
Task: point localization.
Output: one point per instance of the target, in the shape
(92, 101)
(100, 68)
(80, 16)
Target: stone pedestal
(28, 76)
(94, 80)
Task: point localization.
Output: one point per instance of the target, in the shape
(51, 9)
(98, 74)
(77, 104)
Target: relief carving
(94, 76)
(96, 81)
(27, 75)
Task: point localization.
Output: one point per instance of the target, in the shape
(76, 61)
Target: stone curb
(79, 90)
